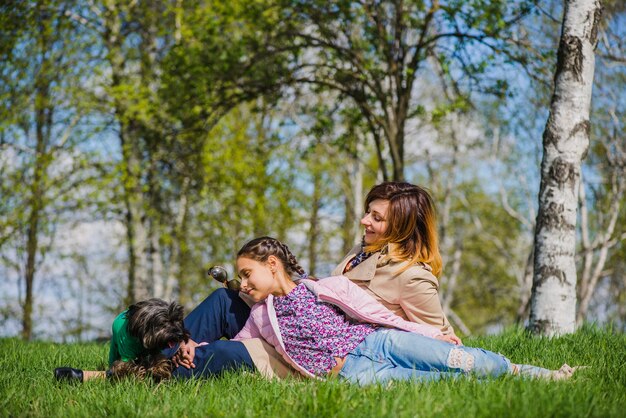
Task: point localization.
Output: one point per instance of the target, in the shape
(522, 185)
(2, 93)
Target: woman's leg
(216, 358)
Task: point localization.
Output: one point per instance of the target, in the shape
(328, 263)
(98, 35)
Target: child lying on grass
(138, 336)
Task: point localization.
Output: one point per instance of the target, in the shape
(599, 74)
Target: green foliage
(597, 391)
(210, 73)
(486, 293)
(243, 188)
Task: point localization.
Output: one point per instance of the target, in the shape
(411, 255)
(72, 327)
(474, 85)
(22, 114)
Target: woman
(396, 263)
(399, 261)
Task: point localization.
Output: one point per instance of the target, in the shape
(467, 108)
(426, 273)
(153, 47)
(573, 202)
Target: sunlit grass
(28, 389)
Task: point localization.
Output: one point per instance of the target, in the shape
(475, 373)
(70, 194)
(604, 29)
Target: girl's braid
(292, 262)
(261, 248)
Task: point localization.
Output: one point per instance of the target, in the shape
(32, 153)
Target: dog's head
(157, 324)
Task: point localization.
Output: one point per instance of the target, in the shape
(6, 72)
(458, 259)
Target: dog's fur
(156, 324)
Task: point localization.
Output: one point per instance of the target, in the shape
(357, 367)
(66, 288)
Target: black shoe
(68, 374)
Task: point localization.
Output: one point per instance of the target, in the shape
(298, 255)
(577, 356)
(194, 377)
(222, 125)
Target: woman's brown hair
(411, 233)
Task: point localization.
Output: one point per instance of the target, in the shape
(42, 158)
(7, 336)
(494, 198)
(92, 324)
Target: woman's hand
(452, 339)
(185, 354)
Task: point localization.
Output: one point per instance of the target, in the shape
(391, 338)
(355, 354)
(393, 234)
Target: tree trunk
(179, 251)
(352, 185)
(525, 286)
(137, 234)
(138, 287)
(43, 127)
(565, 144)
(314, 223)
(593, 267)
(359, 198)
(32, 244)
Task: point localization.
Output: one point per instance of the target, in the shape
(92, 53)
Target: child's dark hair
(155, 367)
(156, 324)
(259, 249)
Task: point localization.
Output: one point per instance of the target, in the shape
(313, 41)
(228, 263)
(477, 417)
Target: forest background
(143, 141)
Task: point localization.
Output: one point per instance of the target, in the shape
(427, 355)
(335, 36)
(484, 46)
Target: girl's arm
(366, 308)
(423, 329)
(452, 339)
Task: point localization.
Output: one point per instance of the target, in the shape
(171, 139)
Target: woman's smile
(375, 220)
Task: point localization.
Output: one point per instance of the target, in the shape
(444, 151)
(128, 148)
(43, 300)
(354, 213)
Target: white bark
(565, 144)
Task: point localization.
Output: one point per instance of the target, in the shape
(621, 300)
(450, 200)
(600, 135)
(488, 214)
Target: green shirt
(124, 346)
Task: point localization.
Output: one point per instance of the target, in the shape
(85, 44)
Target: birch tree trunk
(565, 144)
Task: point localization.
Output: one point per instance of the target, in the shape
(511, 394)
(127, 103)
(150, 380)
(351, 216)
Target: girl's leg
(407, 350)
(526, 370)
(216, 358)
(222, 314)
(364, 370)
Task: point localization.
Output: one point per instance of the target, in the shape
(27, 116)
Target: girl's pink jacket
(336, 290)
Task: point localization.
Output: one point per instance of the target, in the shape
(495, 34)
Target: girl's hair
(259, 249)
(411, 233)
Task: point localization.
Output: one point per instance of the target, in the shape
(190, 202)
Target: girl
(397, 263)
(138, 336)
(332, 327)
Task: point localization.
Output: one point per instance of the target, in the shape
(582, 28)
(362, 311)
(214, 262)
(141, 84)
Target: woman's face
(375, 220)
(257, 279)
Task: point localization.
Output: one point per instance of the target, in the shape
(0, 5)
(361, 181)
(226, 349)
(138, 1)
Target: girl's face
(375, 220)
(257, 279)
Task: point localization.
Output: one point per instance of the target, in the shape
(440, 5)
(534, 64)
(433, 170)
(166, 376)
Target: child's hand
(452, 339)
(185, 354)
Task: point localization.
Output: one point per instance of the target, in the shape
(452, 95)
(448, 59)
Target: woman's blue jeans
(221, 315)
(389, 354)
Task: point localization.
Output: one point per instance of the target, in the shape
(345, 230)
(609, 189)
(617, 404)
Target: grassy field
(28, 389)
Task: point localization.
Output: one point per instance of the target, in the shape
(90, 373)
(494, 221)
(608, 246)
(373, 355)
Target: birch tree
(565, 144)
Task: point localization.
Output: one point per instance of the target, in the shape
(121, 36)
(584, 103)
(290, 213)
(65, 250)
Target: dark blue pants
(221, 315)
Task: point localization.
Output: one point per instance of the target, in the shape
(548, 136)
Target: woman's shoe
(68, 374)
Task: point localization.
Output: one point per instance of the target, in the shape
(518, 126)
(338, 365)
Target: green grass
(28, 389)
